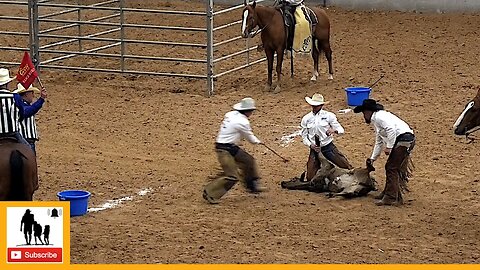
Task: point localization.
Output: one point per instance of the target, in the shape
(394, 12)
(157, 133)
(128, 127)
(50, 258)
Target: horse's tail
(17, 188)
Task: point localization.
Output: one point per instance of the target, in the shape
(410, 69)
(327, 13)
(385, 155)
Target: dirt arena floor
(116, 135)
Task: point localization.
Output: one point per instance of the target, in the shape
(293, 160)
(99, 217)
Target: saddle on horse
(299, 22)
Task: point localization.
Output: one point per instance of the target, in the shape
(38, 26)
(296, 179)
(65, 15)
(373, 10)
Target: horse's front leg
(279, 70)
(328, 54)
(315, 56)
(270, 54)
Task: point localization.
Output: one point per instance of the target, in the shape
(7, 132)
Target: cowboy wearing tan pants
(318, 127)
(235, 126)
(397, 139)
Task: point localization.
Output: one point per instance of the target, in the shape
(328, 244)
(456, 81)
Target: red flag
(26, 73)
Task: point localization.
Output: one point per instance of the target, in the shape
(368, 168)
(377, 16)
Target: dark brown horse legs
(291, 64)
(315, 56)
(328, 55)
(279, 70)
(270, 55)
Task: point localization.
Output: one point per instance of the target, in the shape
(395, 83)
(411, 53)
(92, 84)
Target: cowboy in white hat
(13, 110)
(397, 140)
(28, 126)
(234, 128)
(318, 128)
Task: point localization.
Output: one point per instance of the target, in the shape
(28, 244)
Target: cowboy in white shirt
(234, 128)
(318, 128)
(397, 140)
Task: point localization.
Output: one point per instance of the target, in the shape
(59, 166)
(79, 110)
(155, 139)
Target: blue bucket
(356, 95)
(78, 201)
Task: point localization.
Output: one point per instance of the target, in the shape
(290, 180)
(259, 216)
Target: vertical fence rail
(30, 28)
(210, 47)
(122, 35)
(36, 38)
(79, 27)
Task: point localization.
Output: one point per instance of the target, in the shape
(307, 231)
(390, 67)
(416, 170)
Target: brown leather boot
(400, 198)
(257, 189)
(209, 199)
(379, 196)
(388, 200)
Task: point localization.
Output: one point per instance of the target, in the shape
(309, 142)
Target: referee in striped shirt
(28, 127)
(12, 110)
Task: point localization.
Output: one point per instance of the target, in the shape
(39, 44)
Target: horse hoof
(313, 79)
(330, 76)
(277, 90)
(268, 88)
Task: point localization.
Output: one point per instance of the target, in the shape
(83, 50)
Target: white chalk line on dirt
(286, 140)
(115, 203)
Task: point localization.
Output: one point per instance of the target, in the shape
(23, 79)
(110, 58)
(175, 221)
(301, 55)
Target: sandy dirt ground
(115, 135)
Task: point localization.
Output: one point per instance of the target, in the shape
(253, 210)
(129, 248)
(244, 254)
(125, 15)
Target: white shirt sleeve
(304, 132)
(247, 133)
(377, 149)
(336, 125)
(390, 130)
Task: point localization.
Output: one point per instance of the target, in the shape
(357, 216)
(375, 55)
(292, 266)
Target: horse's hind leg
(328, 54)
(270, 55)
(279, 70)
(291, 64)
(315, 56)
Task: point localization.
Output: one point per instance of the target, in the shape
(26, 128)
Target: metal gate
(99, 37)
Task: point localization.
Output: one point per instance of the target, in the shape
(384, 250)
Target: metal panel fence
(59, 33)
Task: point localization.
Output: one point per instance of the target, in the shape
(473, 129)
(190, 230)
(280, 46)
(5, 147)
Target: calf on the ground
(337, 181)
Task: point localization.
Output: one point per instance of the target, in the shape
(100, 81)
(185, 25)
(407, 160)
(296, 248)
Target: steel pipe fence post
(30, 27)
(36, 28)
(210, 74)
(79, 17)
(122, 35)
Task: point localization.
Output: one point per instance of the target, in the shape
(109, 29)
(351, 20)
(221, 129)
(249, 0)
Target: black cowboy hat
(368, 105)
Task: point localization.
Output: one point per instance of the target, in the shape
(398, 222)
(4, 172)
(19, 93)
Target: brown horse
(469, 120)
(270, 21)
(18, 171)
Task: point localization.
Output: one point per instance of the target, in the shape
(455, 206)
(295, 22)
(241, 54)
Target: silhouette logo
(34, 235)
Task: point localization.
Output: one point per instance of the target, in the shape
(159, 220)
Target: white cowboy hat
(245, 105)
(316, 100)
(20, 89)
(5, 76)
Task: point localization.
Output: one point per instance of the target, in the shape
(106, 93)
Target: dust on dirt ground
(114, 135)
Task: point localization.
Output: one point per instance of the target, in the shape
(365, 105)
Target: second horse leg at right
(280, 53)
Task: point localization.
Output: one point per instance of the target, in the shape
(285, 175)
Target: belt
(407, 136)
(10, 134)
(230, 147)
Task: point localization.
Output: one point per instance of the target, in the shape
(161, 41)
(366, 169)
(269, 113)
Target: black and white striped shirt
(28, 127)
(9, 113)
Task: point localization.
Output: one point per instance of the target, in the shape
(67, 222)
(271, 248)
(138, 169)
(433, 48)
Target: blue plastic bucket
(78, 201)
(356, 95)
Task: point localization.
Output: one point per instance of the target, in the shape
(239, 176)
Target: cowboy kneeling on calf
(397, 140)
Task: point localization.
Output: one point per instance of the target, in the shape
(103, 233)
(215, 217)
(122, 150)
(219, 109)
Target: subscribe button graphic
(35, 255)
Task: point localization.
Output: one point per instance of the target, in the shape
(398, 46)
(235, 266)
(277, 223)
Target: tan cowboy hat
(316, 100)
(245, 105)
(5, 76)
(20, 89)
